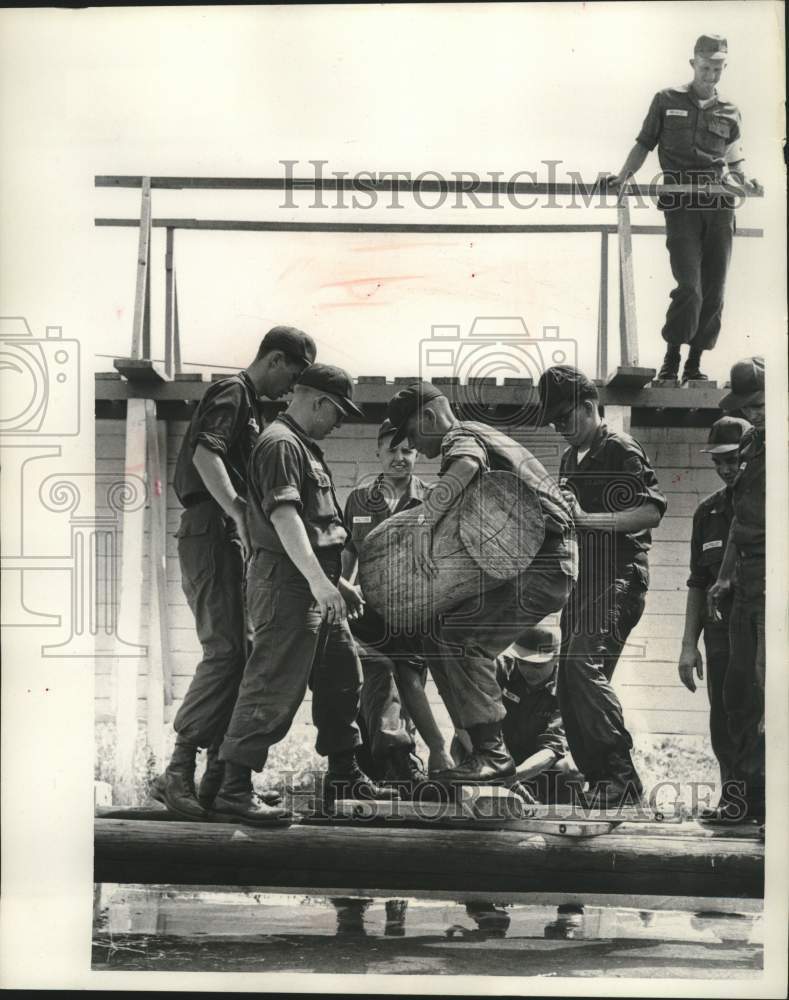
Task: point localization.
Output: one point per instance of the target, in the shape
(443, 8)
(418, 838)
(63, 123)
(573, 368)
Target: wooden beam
(142, 289)
(368, 182)
(630, 377)
(130, 620)
(440, 859)
(140, 370)
(168, 304)
(176, 328)
(628, 330)
(602, 314)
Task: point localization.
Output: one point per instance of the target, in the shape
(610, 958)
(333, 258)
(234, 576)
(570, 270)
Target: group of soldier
(268, 559)
(268, 556)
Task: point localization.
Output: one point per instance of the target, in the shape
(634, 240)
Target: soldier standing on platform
(617, 501)
(711, 525)
(743, 570)
(211, 484)
(697, 134)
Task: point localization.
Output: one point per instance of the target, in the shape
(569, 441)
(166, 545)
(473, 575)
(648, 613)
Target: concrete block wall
(646, 678)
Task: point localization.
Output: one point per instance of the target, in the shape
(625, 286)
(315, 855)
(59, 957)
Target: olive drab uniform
(607, 603)
(711, 524)
(227, 421)
(288, 467)
(696, 140)
(744, 687)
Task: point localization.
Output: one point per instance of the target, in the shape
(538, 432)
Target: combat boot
(346, 780)
(670, 366)
(211, 782)
(620, 787)
(489, 762)
(176, 787)
(237, 800)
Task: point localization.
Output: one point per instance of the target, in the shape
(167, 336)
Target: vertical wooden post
(602, 315)
(628, 331)
(130, 617)
(176, 328)
(168, 304)
(141, 328)
(159, 688)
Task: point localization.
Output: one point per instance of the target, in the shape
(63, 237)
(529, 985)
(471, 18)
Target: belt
(194, 499)
(748, 553)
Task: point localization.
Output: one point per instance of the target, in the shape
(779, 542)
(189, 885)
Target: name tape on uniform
(362, 519)
(676, 113)
(717, 544)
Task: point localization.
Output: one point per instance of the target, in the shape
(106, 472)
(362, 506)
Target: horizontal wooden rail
(432, 859)
(378, 181)
(254, 226)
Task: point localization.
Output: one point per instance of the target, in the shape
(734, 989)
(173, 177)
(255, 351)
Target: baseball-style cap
(386, 428)
(537, 644)
(747, 384)
(404, 404)
(725, 435)
(562, 388)
(298, 346)
(334, 382)
(711, 47)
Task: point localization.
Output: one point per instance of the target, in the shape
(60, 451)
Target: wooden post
(159, 687)
(618, 418)
(130, 617)
(176, 328)
(602, 315)
(142, 314)
(628, 331)
(168, 304)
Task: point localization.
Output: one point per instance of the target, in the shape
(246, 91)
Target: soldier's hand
(690, 666)
(612, 182)
(519, 789)
(239, 517)
(754, 186)
(352, 596)
(332, 606)
(715, 595)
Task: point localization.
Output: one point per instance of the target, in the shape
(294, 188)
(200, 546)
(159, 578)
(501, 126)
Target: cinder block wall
(646, 679)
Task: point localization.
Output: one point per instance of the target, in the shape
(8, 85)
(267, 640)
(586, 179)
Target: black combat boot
(176, 787)
(211, 782)
(692, 372)
(670, 366)
(489, 763)
(620, 786)
(346, 780)
(237, 800)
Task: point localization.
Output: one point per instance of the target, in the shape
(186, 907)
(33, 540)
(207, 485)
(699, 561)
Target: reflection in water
(138, 927)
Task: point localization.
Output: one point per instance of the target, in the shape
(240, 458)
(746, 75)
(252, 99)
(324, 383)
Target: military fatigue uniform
(608, 600)
(227, 421)
(465, 642)
(695, 144)
(385, 724)
(711, 523)
(744, 687)
(287, 466)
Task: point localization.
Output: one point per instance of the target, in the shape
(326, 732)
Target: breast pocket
(321, 498)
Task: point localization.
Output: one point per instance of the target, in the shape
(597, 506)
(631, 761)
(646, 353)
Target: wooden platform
(679, 861)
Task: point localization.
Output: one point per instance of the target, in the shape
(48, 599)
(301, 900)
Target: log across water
(489, 536)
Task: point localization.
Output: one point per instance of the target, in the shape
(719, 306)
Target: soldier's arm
(414, 698)
(458, 475)
(723, 584)
(293, 535)
(216, 480)
(690, 663)
(633, 163)
(632, 519)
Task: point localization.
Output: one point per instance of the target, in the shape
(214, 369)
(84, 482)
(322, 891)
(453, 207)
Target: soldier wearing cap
(697, 133)
(393, 667)
(211, 483)
(461, 657)
(617, 503)
(296, 604)
(743, 571)
(532, 728)
(711, 525)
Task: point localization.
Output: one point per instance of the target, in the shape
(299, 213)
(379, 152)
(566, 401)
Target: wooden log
(433, 859)
(489, 536)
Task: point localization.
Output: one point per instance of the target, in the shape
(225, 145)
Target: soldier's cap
(711, 47)
(538, 644)
(386, 428)
(404, 404)
(561, 389)
(296, 344)
(747, 385)
(725, 435)
(333, 382)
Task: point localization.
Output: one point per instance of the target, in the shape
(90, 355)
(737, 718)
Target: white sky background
(230, 92)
